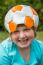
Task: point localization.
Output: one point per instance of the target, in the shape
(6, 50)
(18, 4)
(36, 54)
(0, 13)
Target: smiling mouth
(23, 40)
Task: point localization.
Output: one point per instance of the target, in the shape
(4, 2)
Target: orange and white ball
(21, 14)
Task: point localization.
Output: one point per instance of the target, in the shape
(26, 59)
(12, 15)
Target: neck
(27, 49)
(25, 53)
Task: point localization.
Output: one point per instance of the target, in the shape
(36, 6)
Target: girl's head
(21, 21)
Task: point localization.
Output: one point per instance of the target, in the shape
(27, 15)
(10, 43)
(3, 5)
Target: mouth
(23, 41)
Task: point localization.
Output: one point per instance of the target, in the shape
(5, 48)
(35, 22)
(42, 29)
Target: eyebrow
(23, 29)
(27, 29)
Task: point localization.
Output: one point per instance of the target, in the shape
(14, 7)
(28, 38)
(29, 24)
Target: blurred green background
(5, 5)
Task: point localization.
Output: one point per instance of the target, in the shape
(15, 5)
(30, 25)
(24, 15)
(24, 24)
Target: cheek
(14, 37)
(29, 34)
(32, 34)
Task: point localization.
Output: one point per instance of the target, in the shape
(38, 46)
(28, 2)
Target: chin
(23, 45)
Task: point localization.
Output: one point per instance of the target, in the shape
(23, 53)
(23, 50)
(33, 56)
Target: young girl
(21, 48)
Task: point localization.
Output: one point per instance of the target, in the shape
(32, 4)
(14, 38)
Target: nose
(21, 35)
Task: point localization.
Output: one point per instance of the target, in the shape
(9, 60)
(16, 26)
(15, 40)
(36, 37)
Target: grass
(4, 35)
(40, 35)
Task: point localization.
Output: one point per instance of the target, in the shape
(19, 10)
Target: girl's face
(22, 36)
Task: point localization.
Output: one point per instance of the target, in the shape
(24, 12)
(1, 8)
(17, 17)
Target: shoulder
(38, 43)
(7, 45)
(7, 51)
(6, 41)
(4, 53)
(38, 47)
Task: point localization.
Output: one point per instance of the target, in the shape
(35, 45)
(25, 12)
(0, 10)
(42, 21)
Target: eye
(15, 32)
(26, 29)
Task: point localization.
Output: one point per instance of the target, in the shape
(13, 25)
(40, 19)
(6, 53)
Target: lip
(23, 41)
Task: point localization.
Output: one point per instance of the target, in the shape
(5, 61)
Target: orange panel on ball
(16, 8)
(12, 26)
(29, 22)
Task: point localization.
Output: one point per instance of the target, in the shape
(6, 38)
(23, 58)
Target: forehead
(21, 27)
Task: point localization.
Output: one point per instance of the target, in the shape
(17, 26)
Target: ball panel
(34, 12)
(17, 8)
(29, 22)
(12, 26)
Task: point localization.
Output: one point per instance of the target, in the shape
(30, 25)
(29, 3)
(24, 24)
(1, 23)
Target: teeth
(23, 40)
